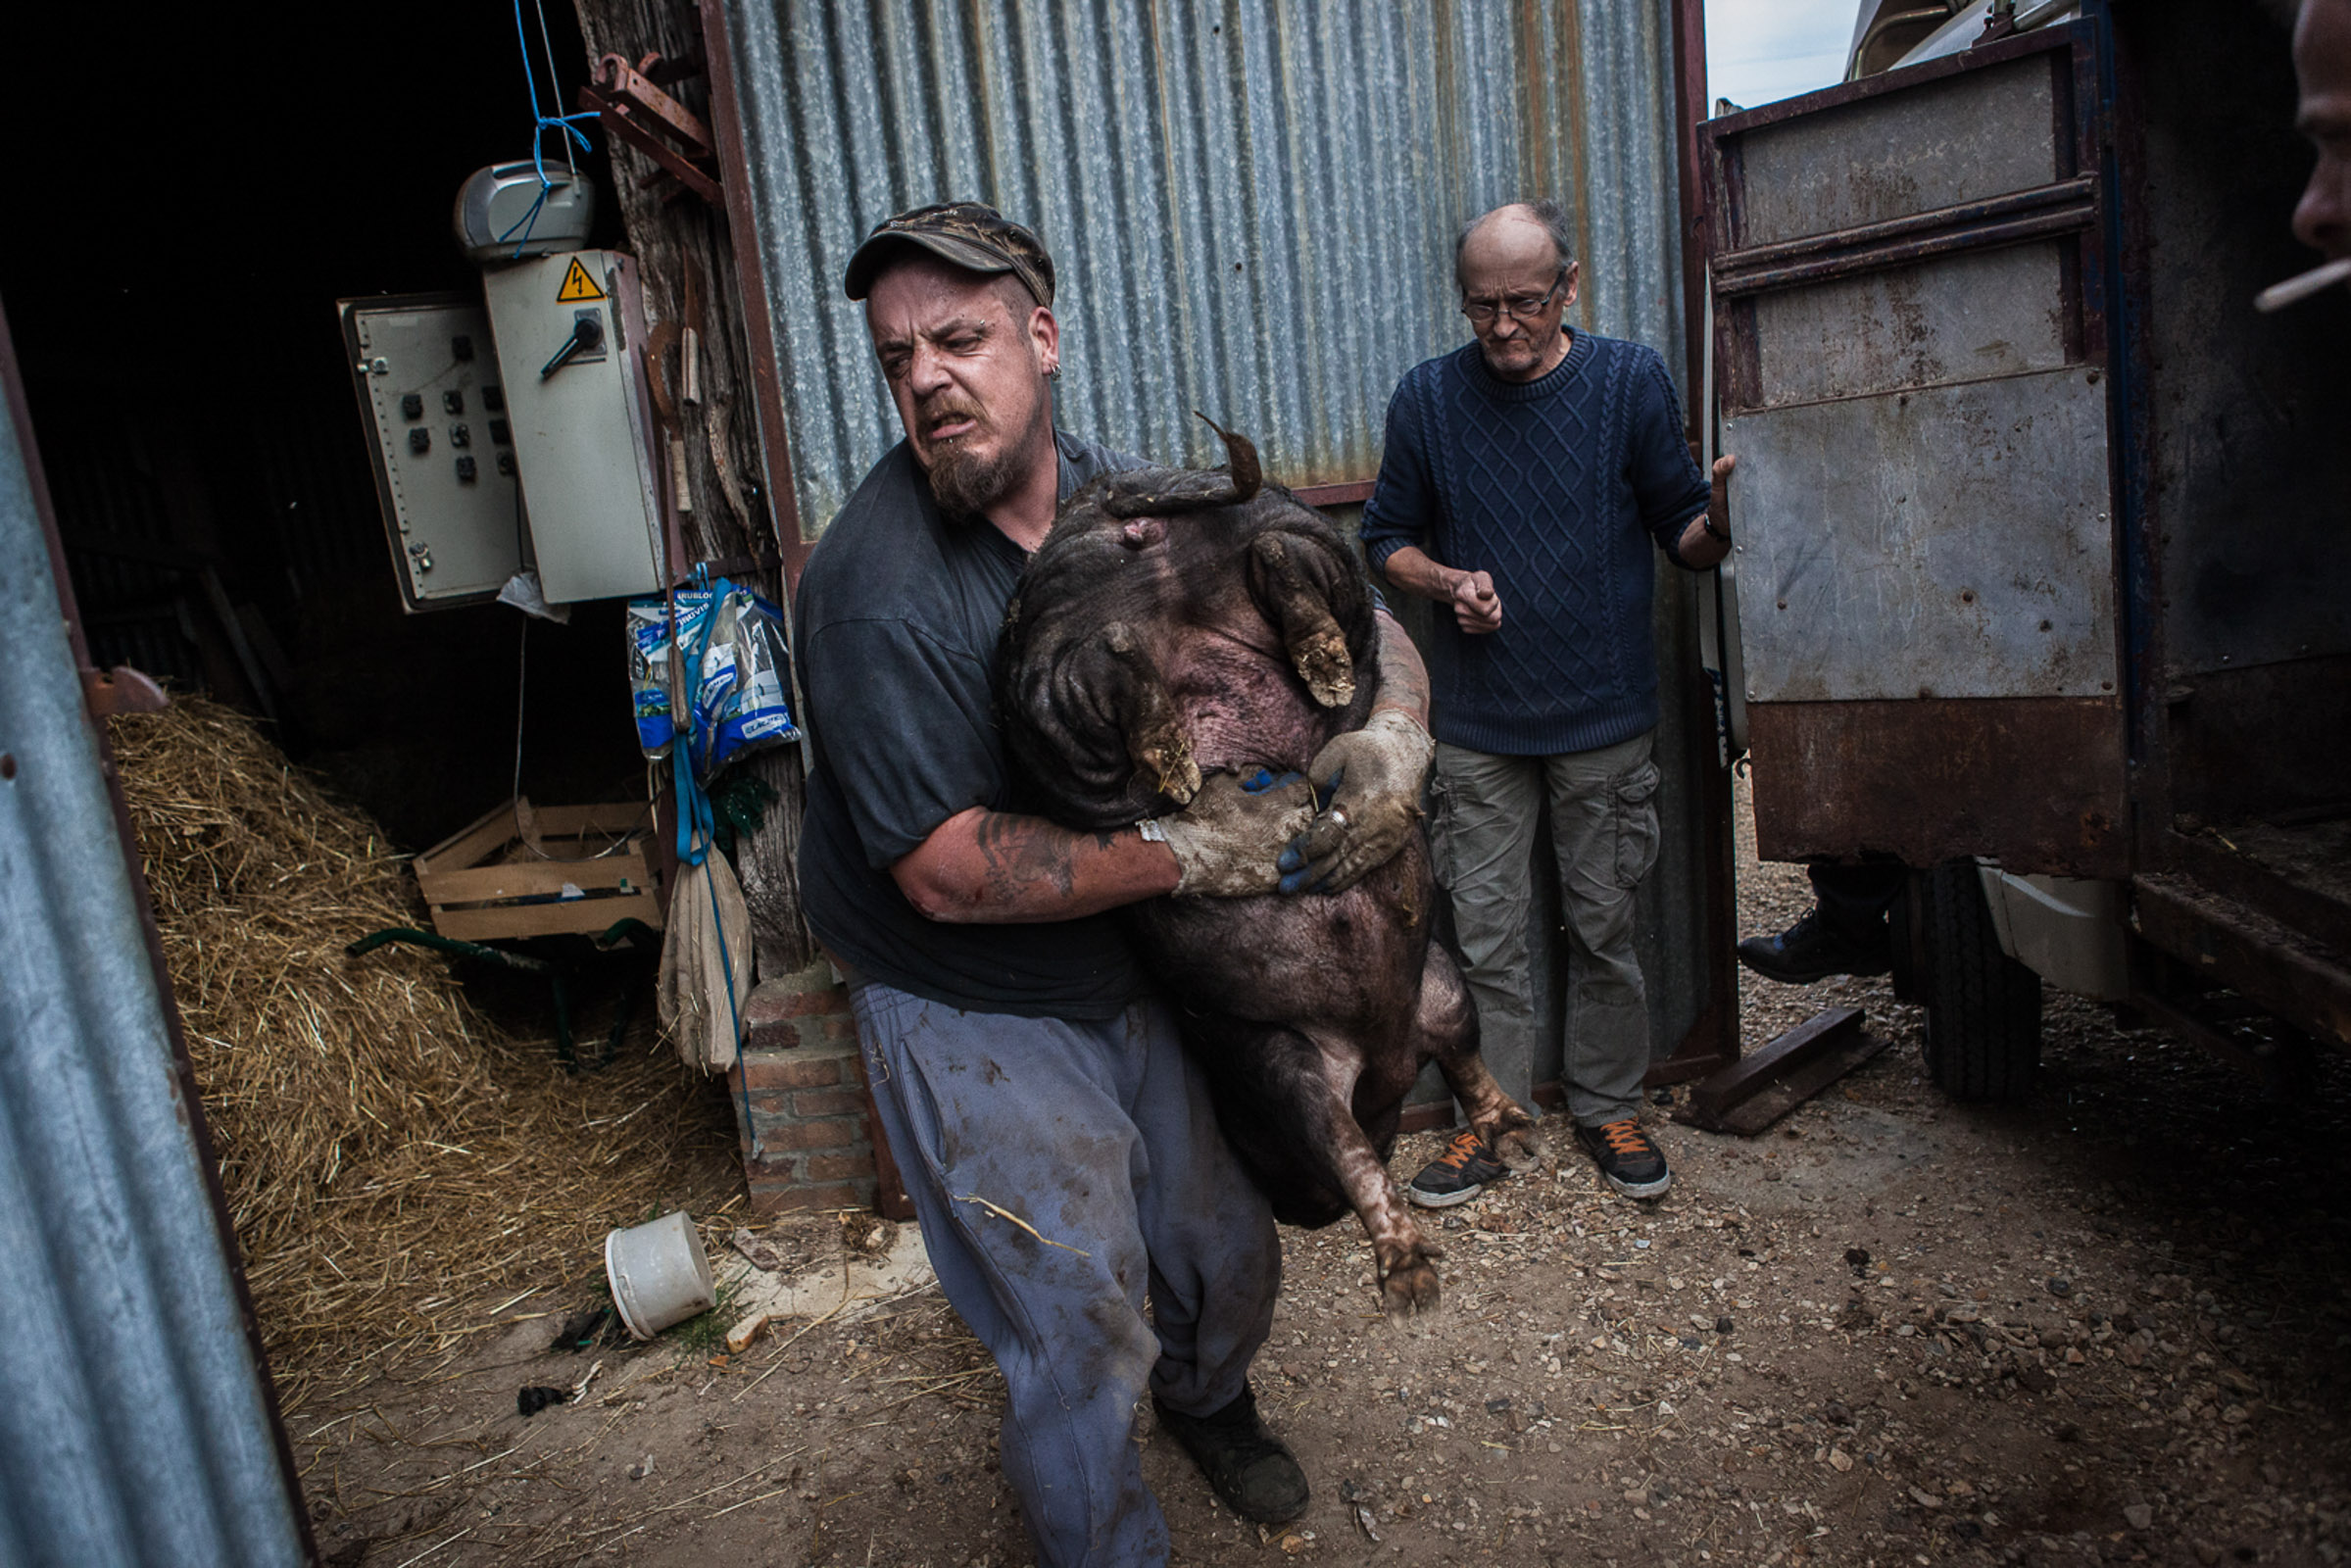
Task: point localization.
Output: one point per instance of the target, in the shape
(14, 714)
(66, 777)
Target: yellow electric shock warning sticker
(577, 285)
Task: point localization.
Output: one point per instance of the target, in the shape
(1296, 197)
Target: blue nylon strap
(694, 824)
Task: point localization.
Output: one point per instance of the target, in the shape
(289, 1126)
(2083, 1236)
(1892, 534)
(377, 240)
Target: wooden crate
(484, 883)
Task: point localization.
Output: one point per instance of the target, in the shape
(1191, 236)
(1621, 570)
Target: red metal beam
(1689, 111)
(628, 83)
(1713, 1040)
(620, 120)
(758, 320)
(1345, 494)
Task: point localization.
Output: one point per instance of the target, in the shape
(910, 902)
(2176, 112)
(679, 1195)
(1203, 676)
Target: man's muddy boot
(1251, 1471)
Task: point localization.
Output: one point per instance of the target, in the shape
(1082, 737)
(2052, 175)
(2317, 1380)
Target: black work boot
(1811, 949)
(1251, 1471)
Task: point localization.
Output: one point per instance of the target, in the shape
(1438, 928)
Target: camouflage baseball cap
(972, 235)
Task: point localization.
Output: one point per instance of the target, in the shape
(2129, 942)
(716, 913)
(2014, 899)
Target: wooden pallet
(484, 884)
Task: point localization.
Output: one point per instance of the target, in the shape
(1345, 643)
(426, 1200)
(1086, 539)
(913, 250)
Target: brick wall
(806, 1097)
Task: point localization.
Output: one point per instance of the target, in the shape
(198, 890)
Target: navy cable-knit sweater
(1556, 486)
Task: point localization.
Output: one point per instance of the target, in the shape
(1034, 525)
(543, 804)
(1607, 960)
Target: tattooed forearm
(995, 866)
(1021, 852)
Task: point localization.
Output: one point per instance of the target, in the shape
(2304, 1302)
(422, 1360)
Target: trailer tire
(1983, 1007)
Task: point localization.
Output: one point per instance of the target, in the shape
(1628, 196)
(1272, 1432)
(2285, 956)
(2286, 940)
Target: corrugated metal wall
(1251, 205)
(132, 1429)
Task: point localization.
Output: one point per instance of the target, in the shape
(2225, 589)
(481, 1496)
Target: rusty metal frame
(2089, 831)
(2246, 881)
(1875, 247)
(2246, 949)
(2138, 504)
(621, 122)
(1713, 1039)
(759, 319)
(1345, 493)
(2062, 35)
(2073, 204)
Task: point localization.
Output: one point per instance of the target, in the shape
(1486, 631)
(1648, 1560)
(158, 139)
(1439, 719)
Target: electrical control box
(431, 397)
(571, 331)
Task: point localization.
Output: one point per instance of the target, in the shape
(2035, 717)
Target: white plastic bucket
(659, 1274)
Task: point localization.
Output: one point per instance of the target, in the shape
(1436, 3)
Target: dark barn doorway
(177, 240)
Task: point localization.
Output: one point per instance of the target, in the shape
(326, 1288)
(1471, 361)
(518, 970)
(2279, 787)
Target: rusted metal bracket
(637, 112)
(1346, 493)
(2231, 944)
(1756, 1091)
(121, 690)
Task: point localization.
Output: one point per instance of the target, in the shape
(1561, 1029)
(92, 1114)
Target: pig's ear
(1167, 491)
(1091, 718)
(1240, 459)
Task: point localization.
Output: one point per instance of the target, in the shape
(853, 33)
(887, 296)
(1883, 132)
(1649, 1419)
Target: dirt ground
(2109, 1325)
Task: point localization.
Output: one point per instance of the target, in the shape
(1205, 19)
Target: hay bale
(391, 1156)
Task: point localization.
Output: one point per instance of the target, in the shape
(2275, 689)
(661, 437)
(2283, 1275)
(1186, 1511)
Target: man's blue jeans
(1060, 1170)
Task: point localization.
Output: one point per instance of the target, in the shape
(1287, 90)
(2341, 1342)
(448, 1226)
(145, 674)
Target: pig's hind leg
(1448, 1029)
(1284, 1104)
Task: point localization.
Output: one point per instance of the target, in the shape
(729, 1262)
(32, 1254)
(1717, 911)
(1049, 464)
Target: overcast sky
(1760, 51)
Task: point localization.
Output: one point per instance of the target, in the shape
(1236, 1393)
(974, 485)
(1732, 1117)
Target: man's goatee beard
(966, 484)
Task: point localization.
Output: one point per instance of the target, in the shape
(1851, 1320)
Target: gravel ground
(2108, 1325)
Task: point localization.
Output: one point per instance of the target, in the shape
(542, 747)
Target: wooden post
(700, 367)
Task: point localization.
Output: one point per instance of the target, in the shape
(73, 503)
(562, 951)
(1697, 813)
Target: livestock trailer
(2045, 589)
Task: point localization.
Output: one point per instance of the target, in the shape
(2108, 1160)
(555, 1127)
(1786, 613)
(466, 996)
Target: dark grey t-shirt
(897, 619)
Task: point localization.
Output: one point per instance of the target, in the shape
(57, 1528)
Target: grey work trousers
(1604, 831)
(1101, 1138)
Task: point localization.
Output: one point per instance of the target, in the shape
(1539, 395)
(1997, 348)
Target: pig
(1179, 623)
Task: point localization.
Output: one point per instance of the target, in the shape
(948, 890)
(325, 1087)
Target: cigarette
(2294, 290)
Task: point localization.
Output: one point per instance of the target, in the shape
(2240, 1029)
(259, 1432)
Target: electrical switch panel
(569, 330)
(456, 530)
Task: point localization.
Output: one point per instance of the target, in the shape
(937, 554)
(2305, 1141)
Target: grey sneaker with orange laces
(1629, 1160)
(1458, 1175)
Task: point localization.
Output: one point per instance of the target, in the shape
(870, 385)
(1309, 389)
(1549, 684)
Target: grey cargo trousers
(1604, 830)
(1101, 1139)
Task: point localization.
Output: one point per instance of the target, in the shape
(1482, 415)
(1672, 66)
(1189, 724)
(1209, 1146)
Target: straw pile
(392, 1158)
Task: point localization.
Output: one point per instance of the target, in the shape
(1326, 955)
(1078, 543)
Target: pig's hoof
(1171, 764)
(1519, 1147)
(1323, 665)
(1409, 1289)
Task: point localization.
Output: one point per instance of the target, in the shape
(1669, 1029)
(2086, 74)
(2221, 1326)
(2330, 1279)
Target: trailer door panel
(1912, 347)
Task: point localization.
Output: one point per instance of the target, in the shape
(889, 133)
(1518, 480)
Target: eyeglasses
(1522, 307)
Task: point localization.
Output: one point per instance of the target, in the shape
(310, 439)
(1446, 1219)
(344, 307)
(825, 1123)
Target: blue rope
(541, 123)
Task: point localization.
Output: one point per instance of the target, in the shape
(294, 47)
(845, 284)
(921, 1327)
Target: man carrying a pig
(1059, 1145)
(1524, 479)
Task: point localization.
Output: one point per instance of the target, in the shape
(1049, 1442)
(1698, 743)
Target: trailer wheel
(1983, 1007)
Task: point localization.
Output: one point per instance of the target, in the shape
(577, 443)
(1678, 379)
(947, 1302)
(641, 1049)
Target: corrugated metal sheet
(1251, 205)
(133, 1428)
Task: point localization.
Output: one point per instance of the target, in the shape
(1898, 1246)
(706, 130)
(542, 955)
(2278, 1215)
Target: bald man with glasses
(1528, 480)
